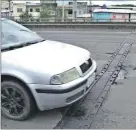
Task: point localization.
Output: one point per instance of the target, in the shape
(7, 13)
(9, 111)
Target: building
(116, 7)
(33, 7)
(5, 5)
(18, 8)
(5, 14)
(84, 1)
(81, 9)
(48, 1)
(84, 16)
(91, 8)
(49, 4)
(6, 8)
(68, 11)
(114, 15)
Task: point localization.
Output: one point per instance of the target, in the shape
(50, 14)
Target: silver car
(38, 73)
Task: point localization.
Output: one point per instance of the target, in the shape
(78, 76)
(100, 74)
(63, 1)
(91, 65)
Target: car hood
(48, 56)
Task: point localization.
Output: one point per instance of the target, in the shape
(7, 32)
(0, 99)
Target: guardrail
(81, 26)
(70, 20)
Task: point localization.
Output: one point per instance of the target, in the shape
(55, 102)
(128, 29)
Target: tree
(25, 16)
(45, 13)
(48, 9)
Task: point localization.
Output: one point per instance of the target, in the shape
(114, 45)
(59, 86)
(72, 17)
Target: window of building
(31, 10)
(70, 11)
(19, 10)
(37, 10)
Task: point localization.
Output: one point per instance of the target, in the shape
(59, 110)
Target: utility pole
(55, 10)
(63, 10)
(9, 2)
(74, 9)
(91, 9)
(86, 7)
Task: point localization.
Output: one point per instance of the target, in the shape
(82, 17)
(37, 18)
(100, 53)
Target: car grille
(76, 96)
(85, 66)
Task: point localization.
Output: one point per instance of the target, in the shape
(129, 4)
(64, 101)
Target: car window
(13, 33)
(16, 25)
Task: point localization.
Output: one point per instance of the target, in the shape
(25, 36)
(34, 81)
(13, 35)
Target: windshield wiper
(24, 30)
(27, 31)
(20, 45)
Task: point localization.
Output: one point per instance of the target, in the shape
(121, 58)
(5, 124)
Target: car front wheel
(16, 102)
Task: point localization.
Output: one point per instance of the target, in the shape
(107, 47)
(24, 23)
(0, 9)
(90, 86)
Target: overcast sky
(107, 2)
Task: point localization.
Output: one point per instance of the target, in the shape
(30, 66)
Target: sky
(107, 2)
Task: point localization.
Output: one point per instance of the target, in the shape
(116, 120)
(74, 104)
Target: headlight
(65, 77)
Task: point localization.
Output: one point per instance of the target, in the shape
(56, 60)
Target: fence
(70, 20)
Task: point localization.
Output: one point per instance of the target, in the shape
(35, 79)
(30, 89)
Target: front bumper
(54, 96)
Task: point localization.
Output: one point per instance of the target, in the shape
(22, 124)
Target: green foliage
(25, 16)
(45, 13)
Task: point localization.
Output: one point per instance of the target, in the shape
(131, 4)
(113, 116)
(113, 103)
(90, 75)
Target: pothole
(121, 76)
(127, 72)
(76, 111)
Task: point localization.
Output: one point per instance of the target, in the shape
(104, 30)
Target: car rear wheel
(16, 102)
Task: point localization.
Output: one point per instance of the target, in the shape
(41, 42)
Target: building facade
(101, 16)
(34, 8)
(133, 17)
(113, 15)
(6, 8)
(81, 9)
(5, 4)
(19, 7)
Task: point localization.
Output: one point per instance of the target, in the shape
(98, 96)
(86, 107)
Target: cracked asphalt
(119, 108)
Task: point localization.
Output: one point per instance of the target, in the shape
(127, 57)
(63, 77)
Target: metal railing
(37, 19)
(70, 20)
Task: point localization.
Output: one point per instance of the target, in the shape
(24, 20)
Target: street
(118, 108)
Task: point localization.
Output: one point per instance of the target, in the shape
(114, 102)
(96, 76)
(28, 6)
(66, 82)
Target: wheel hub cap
(12, 101)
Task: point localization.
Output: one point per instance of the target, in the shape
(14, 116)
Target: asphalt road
(101, 44)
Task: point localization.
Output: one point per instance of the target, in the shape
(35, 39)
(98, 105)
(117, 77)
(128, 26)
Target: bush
(26, 17)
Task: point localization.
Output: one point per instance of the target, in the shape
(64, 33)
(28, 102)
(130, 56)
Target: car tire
(16, 101)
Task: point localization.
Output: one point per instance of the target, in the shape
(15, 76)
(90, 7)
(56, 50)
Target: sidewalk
(119, 109)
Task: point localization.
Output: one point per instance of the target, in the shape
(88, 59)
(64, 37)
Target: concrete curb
(83, 26)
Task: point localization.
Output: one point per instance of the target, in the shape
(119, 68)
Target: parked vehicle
(38, 73)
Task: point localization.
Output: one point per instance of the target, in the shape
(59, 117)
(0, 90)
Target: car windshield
(14, 34)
